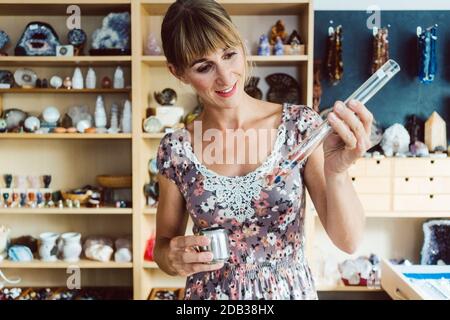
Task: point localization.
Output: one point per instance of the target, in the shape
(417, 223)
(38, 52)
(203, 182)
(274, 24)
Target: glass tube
(363, 94)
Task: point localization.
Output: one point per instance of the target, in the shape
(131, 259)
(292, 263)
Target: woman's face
(219, 78)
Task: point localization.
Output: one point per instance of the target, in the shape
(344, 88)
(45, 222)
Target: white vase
(48, 248)
(114, 122)
(119, 82)
(91, 79)
(77, 79)
(100, 113)
(126, 117)
(4, 239)
(71, 246)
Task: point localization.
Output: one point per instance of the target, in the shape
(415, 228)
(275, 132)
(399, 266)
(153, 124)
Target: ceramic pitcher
(48, 249)
(71, 246)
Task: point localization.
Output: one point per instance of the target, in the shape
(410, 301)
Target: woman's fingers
(342, 130)
(363, 114)
(183, 242)
(196, 257)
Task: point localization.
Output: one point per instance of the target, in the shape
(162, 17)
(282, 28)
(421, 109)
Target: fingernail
(340, 107)
(353, 103)
(332, 116)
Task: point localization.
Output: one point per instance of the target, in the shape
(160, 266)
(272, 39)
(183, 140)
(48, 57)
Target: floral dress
(264, 221)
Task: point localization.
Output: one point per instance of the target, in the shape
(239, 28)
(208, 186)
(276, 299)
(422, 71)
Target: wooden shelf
(348, 288)
(418, 214)
(65, 61)
(83, 264)
(57, 211)
(59, 7)
(158, 136)
(64, 91)
(236, 7)
(150, 265)
(149, 211)
(160, 61)
(64, 136)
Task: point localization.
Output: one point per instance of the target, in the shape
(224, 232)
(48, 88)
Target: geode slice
(4, 39)
(436, 244)
(7, 77)
(38, 39)
(114, 33)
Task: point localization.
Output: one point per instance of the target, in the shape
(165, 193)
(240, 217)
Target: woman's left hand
(351, 136)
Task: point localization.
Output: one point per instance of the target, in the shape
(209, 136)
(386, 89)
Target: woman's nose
(224, 76)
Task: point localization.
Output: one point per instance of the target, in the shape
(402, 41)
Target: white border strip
(363, 5)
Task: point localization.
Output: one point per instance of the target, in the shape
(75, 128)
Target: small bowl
(114, 181)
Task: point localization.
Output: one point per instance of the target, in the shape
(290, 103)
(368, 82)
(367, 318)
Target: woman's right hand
(185, 260)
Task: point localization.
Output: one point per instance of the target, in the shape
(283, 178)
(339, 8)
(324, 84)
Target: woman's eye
(229, 55)
(204, 69)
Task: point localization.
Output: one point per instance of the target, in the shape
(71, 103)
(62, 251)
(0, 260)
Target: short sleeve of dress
(308, 121)
(166, 160)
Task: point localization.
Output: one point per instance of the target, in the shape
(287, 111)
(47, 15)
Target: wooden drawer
(375, 202)
(368, 167)
(425, 167)
(373, 185)
(398, 281)
(422, 185)
(425, 203)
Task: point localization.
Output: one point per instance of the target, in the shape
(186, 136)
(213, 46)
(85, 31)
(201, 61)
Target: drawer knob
(432, 161)
(431, 178)
(378, 161)
(406, 179)
(431, 196)
(353, 178)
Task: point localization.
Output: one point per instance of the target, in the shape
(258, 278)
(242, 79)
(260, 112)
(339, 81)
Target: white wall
(383, 4)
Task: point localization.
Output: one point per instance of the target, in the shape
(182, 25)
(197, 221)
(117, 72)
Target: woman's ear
(173, 71)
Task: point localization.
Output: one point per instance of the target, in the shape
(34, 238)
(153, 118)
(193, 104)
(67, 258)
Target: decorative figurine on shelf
(106, 83)
(125, 122)
(278, 30)
(167, 97)
(413, 127)
(44, 83)
(8, 178)
(48, 248)
(47, 179)
(114, 36)
(51, 116)
(56, 82)
(31, 124)
(435, 132)
(252, 88)
(114, 123)
(38, 39)
(123, 250)
(283, 88)
(335, 64)
(71, 248)
(91, 79)
(4, 241)
(25, 78)
(67, 83)
(77, 79)
(151, 47)
(77, 38)
(436, 246)
(294, 37)
(6, 79)
(395, 140)
(263, 47)
(151, 189)
(317, 86)
(3, 125)
(4, 40)
(279, 47)
(119, 82)
(152, 125)
(100, 115)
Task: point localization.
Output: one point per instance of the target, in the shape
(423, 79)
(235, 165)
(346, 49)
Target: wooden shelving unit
(74, 159)
(150, 75)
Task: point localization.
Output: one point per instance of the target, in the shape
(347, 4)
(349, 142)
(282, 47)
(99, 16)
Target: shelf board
(150, 265)
(59, 7)
(160, 61)
(65, 136)
(157, 136)
(57, 211)
(65, 91)
(236, 7)
(83, 264)
(149, 211)
(343, 288)
(389, 214)
(64, 61)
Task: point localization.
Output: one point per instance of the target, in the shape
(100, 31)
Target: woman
(264, 222)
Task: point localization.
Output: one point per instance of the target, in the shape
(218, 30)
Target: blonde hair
(192, 29)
